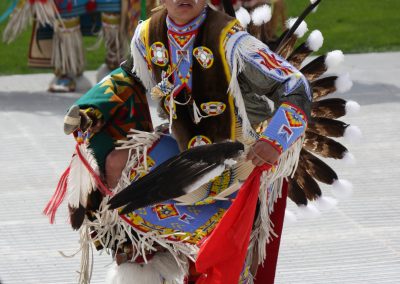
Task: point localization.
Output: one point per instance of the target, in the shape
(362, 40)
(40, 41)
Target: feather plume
(301, 29)
(353, 134)
(308, 212)
(317, 168)
(352, 107)
(349, 158)
(343, 83)
(261, 15)
(80, 181)
(243, 16)
(324, 146)
(323, 86)
(342, 189)
(334, 58)
(327, 127)
(325, 203)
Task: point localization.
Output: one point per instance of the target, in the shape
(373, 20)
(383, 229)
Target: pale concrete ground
(357, 242)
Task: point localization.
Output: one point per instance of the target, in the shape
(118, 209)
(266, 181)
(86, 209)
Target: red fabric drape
(222, 256)
(266, 274)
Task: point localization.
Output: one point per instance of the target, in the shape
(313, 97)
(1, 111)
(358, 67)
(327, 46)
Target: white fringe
(113, 232)
(140, 64)
(68, 54)
(270, 191)
(45, 13)
(80, 181)
(246, 45)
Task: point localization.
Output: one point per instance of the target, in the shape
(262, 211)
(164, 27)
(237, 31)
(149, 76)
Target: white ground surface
(357, 242)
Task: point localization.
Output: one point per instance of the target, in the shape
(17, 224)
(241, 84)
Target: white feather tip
(308, 212)
(342, 188)
(343, 83)
(243, 16)
(301, 30)
(261, 15)
(349, 158)
(353, 134)
(315, 40)
(352, 107)
(325, 203)
(334, 58)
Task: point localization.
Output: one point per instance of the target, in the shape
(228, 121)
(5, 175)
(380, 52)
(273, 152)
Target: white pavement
(357, 242)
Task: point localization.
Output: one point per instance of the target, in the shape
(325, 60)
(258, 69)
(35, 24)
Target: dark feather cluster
(170, 179)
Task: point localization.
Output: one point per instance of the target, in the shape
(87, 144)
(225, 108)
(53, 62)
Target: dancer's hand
(262, 153)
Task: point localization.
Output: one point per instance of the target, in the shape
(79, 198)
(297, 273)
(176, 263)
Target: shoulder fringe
(270, 191)
(113, 231)
(140, 67)
(234, 53)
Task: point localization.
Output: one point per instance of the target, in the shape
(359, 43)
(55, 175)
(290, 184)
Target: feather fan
(327, 127)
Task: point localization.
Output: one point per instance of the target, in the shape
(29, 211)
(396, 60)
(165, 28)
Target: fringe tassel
(45, 12)
(68, 55)
(58, 197)
(19, 20)
(270, 191)
(111, 228)
(116, 42)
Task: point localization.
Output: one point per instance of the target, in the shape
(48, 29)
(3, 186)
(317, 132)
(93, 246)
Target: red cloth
(266, 274)
(222, 255)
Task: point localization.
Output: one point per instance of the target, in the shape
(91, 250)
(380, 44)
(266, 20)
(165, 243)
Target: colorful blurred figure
(58, 28)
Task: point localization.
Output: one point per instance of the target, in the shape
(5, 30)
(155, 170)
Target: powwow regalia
(192, 196)
(58, 27)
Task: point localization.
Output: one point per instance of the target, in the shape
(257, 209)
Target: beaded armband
(286, 126)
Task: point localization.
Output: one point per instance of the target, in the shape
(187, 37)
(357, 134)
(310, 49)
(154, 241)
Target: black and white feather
(178, 176)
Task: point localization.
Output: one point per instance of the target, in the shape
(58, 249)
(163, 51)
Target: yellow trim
(144, 34)
(222, 39)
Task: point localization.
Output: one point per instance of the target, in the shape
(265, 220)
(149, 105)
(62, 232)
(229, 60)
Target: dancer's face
(183, 11)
